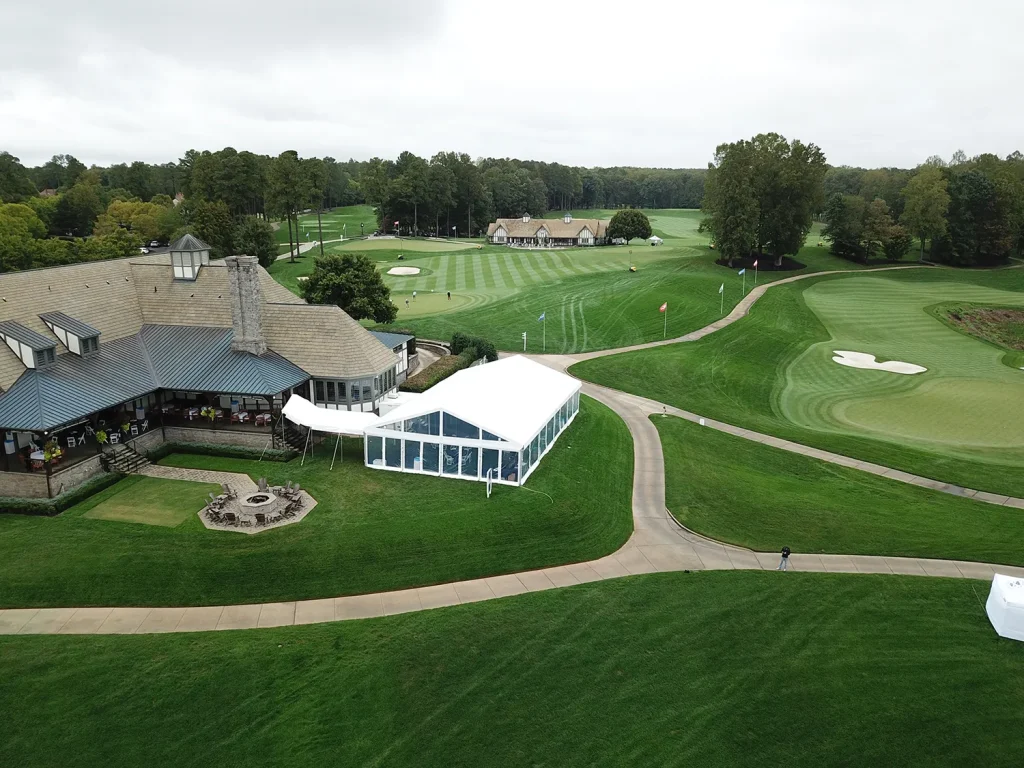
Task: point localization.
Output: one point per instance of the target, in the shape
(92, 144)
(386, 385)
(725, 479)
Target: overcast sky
(643, 82)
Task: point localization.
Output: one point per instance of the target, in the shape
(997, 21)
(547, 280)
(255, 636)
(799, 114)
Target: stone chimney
(246, 305)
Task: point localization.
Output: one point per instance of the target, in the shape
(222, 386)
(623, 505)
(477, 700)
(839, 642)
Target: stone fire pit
(256, 511)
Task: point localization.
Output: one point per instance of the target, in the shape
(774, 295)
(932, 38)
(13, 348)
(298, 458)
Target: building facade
(130, 352)
(566, 232)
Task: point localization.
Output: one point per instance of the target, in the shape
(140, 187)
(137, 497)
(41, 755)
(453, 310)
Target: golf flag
(396, 223)
(663, 307)
(742, 272)
(453, 229)
(541, 316)
(721, 288)
(755, 263)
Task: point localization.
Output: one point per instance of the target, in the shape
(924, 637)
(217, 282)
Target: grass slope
(371, 531)
(342, 220)
(756, 496)
(148, 500)
(739, 375)
(710, 669)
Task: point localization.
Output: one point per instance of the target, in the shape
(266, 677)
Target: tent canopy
(654, 239)
(300, 411)
(1005, 606)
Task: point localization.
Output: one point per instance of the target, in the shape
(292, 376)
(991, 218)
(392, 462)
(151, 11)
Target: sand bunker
(868, 362)
(404, 271)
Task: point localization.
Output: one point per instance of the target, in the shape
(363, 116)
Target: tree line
(762, 196)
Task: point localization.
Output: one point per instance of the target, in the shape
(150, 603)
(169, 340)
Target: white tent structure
(497, 419)
(655, 240)
(299, 410)
(1005, 606)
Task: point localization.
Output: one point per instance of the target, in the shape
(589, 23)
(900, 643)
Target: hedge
(439, 370)
(228, 451)
(484, 348)
(56, 505)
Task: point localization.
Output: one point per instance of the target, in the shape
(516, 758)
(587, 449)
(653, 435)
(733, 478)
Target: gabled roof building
(135, 351)
(548, 233)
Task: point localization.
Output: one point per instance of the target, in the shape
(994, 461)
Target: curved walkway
(658, 544)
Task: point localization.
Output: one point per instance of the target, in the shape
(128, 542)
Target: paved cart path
(658, 542)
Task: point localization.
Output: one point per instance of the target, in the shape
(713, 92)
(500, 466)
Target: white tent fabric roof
(300, 411)
(1005, 606)
(655, 239)
(511, 398)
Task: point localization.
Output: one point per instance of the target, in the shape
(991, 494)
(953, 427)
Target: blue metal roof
(160, 357)
(392, 340)
(26, 336)
(68, 323)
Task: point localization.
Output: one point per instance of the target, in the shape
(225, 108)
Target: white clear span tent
(299, 410)
(500, 417)
(655, 240)
(1005, 606)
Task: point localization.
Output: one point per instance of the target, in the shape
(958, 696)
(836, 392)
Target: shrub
(484, 348)
(58, 504)
(228, 451)
(440, 370)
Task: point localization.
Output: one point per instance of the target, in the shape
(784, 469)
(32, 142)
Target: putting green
(963, 404)
(402, 246)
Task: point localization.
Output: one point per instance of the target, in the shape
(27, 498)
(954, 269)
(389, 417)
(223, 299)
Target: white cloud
(591, 83)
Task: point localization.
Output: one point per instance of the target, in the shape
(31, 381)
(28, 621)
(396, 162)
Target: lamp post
(361, 229)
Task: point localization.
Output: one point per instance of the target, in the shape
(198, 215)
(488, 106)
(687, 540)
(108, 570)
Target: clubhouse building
(109, 359)
(565, 232)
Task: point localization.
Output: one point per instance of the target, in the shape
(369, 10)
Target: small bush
(440, 370)
(484, 348)
(56, 505)
(227, 451)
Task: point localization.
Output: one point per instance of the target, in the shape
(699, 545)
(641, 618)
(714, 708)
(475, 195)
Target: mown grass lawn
(148, 500)
(740, 374)
(756, 496)
(708, 669)
(371, 531)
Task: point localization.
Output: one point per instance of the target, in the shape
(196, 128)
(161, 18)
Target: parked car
(154, 243)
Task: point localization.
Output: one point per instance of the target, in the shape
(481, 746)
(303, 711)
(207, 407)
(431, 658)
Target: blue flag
(742, 272)
(541, 316)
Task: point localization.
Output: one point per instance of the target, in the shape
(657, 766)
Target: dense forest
(62, 211)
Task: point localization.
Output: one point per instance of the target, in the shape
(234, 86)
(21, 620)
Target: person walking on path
(784, 562)
(414, 295)
(449, 295)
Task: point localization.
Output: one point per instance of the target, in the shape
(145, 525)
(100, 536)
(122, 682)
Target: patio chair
(261, 519)
(145, 425)
(135, 430)
(288, 487)
(115, 437)
(262, 484)
(230, 517)
(246, 523)
(296, 490)
(71, 442)
(81, 437)
(89, 430)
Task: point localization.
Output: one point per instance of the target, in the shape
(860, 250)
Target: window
(430, 451)
(551, 430)
(44, 357)
(366, 393)
(470, 458)
(392, 452)
(330, 392)
(318, 387)
(543, 436)
(428, 424)
(535, 450)
(450, 455)
(374, 450)
(412, 455)
(355, 393)
(341, 391)
(456, 427)
(510, 466)
(489, 460)
(489, 436)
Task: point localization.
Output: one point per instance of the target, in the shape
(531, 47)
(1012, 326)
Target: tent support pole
(337, 439)
(308, 433)
(265, 448)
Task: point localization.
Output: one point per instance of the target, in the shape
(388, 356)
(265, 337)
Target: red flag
(663, 307)
(396, 223)
(755, 263)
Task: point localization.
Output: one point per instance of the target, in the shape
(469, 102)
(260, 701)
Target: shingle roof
(77, 327)
(556, 228)
(391, 340)
(26, 336)
(189, 242)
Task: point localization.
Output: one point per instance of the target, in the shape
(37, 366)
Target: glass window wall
(489, 461)
(470, 460)
(374, 449)
(392, 452)
(429, 424)
(412, 455)
(456, 427)
(510, 466)
(430, 452)
(450, 460)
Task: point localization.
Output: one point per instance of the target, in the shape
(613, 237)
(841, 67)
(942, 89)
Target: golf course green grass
(772, 372)
(709, 669)
(755, 496)
(371, 531)
(148, 500)
(342, 221)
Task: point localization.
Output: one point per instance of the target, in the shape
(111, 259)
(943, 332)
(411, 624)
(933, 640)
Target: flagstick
(744, 283)
(721, 310)
(544, 331)
(755, 274)
(664, 330)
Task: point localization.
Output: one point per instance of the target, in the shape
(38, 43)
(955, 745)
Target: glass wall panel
(374, 449)
(366, 392)
(429, 424)
(330, 392)
(355, 392)
(341, 391)
(527, 454)
(470, 459)
(412, 455)
(450, 460)
(489, 436)
(535, 450)
(456, 427)
(392, 452)
(510, 465)
(489, 460)
(551, 430)
(318, 387)
(430, 451)
(543, 444)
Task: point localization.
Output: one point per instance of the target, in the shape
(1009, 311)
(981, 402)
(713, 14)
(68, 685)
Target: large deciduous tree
(628, 224)
(255, 237)
(730, 205)
(352, 282)
(926, 201)
(15, 184)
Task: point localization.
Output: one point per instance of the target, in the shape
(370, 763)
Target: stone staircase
(125, 459)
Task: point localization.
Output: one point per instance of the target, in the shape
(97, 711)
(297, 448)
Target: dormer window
(33, 349)
(44, 357)
(568, 218)
(77, 337)
(188, 255)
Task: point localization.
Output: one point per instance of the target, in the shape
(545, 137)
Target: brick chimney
(246, 305)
